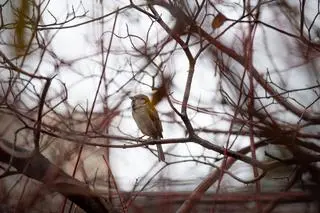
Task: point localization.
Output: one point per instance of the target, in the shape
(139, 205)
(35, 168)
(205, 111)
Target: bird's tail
(160, 153)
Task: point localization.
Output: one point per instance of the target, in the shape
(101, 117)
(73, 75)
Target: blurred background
(236, 84)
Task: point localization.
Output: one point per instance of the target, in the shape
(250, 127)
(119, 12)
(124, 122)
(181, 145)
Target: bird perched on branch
(147, 119)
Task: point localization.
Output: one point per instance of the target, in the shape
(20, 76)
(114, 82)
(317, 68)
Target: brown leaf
(218, 21)
(162, 91)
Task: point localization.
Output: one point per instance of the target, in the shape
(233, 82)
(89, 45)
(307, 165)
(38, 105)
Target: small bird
(147, 119)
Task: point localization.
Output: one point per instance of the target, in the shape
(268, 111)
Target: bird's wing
(155, 118)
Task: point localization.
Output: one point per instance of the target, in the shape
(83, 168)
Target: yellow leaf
(21, 26)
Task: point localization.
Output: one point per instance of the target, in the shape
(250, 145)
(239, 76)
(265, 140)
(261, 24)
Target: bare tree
(236, 84)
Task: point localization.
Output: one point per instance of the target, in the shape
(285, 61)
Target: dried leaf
(161, 92)
(21, 26)
(218, 21)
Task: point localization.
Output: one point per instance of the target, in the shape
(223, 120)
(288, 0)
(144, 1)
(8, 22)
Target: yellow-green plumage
(147, 119)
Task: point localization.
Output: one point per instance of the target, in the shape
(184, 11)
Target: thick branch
(41, 169)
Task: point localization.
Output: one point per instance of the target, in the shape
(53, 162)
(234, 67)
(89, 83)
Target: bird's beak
(131, 97)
